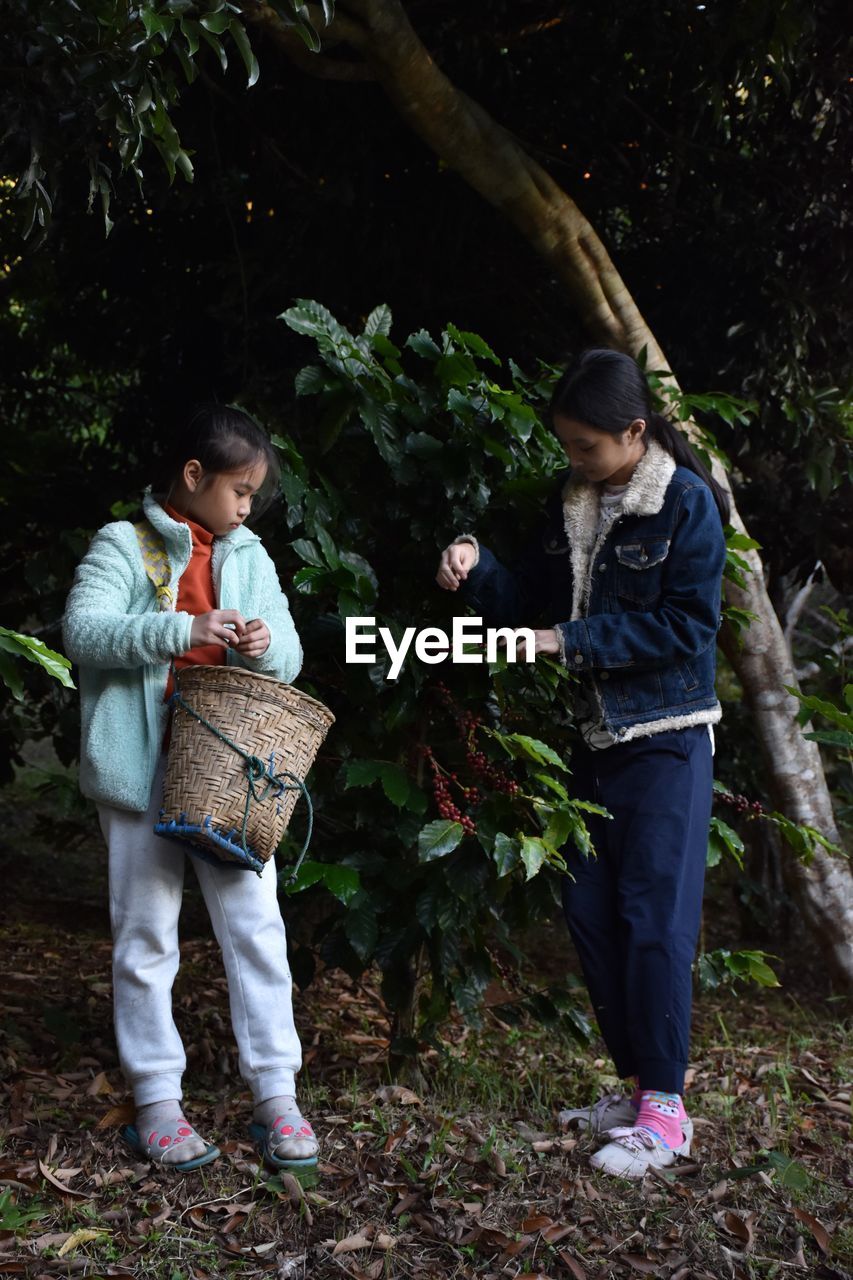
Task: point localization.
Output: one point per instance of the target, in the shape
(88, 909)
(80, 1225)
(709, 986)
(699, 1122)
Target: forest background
(468, 196)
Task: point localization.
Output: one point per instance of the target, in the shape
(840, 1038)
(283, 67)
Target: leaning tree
(121, 79)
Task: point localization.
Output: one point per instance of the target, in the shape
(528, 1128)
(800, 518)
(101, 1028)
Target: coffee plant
(444, 797)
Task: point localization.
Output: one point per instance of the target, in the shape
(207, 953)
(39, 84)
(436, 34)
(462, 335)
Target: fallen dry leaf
(742, 1228)
(568, 1260)
(113, 1117)
(100, 1084)
(817, 1229)
(83, 1236)
(350, 1244)
(397, 1093)
(646, 1266)
(58, 1184)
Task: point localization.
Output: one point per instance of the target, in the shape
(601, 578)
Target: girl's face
(220, 500)
(599, 456)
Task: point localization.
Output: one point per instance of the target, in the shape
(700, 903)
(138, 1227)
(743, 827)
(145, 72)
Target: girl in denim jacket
(225, 604)
(627, 569)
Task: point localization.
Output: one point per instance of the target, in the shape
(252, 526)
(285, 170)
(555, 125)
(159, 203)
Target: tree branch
(489, 159)
(342, 29)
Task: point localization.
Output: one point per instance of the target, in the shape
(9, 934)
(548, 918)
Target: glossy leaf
(437, 839)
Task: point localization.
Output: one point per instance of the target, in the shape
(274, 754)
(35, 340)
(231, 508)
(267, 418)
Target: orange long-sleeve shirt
(196, 595)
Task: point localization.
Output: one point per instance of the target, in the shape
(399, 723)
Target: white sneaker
(631, 1152)
(613, 1110)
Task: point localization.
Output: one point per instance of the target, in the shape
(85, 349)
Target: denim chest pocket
(641, 566)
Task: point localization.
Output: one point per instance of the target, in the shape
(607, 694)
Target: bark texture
(489, 159)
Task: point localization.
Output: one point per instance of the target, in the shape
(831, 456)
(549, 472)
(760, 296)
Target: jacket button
(604, 675)
(601, 568)
(578, 659)
(644, 557)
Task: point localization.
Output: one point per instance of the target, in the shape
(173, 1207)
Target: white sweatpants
(146, 875)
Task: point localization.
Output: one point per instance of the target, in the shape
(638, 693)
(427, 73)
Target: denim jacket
(637, 608)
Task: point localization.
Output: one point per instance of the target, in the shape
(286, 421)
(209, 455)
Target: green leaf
(215, 44)
(305, 580)
(534, 852)
(716, 968)
(472, 342)
(521, 745)
(832, 738)
(789, 1172)
(156, 24)
(395, 783)
(16, 1218)
(819, 705)
(506, 853)
(310, 380)
(328, 548)
(740, 619)
(342, 882)
(559, 826)
(722, 839)
(456, 369)
(361, 773)
(11, 676)
(437, 839)
(218, 23)
(740, 541)
(422, 445)
(34, 650)
(423, 345)
(250, 62)
(384, 347)
(189, 29)
(378, 322)
(307, 551)
(307, 31)
(361, 926)
(190, 68)
(184, 164)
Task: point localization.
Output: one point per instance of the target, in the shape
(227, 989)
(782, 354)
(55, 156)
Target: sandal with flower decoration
(289, 1141)
(153, 1146)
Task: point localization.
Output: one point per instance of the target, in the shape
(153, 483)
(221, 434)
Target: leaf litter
(457, 1170)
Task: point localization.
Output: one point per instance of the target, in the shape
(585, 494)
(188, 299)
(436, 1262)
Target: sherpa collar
(176, 534)
(644, 496)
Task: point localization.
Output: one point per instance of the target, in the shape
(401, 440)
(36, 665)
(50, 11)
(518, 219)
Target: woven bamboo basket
(207, 781)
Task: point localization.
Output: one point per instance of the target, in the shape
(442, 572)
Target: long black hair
(607, 390)
(223, 438)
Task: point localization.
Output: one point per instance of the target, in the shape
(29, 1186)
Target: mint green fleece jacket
(123, 644)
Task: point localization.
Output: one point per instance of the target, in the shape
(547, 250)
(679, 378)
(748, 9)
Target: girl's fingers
(232, 616)
(456, 562)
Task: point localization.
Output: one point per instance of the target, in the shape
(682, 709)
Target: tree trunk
(489, 159)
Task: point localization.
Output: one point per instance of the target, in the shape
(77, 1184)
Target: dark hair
(608, 390)
(224, 438)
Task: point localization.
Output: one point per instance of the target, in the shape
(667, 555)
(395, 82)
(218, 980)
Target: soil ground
(466, 1174)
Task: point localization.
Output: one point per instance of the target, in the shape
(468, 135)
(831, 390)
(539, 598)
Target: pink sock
(637, 1097)
(662, 1114)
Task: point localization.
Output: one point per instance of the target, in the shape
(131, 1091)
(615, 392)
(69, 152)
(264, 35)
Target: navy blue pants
(634, 909)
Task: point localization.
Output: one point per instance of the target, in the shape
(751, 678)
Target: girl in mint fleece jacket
(124, 644)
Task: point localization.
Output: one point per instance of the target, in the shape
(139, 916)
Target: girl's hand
(255, 639)
(456, 560)
(546, 639)
(220, 626)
